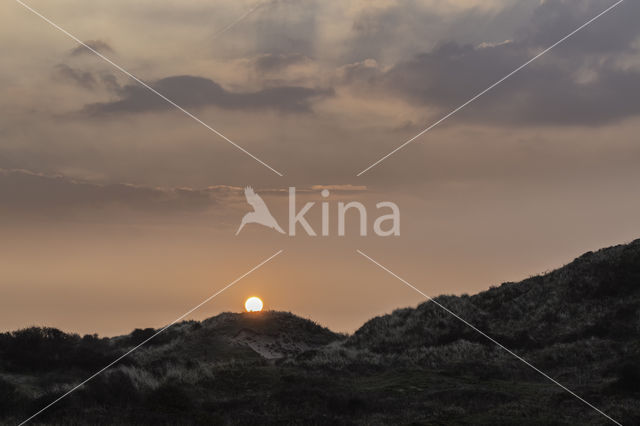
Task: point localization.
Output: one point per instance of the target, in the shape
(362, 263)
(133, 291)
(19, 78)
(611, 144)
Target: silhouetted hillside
(595, 296)
(580, 324)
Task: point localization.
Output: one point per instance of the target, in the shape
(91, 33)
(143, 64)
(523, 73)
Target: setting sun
(253, 304)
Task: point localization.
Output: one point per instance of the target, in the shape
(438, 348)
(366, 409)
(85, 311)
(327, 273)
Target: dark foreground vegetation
(580, 324)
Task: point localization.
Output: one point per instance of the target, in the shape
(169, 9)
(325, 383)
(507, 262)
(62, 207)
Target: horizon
(268, 309)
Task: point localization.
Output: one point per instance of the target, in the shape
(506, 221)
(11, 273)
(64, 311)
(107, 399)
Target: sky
(118, 211)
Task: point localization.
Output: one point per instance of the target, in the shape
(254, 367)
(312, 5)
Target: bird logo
(260, 214)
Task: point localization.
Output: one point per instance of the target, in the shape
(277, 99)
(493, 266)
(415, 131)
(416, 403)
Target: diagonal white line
(490, 338)
(237, 21)
(100, 55)
(490, 87)
(73, 389)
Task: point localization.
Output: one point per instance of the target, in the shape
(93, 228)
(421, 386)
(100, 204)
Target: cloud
(577, 83)
(28, 193)
(87, 79)
(366, 72)
(340, 188)
(612, 33)
(97, 45)
(389, 31)
(84, 79)
(192, 91)
(271, 62)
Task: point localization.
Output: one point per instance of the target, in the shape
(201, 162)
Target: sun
(253, 304)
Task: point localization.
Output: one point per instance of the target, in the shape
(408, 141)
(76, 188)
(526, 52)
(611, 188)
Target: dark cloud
(611, 33)
(452, 73)
(24, 193)
(27, 193)
(87, 79)
(271, 62)
(84, 79)
(110, 82)
(97, 45)
(364, 74)
(577, 83)
(191, 91)
(403, 28)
